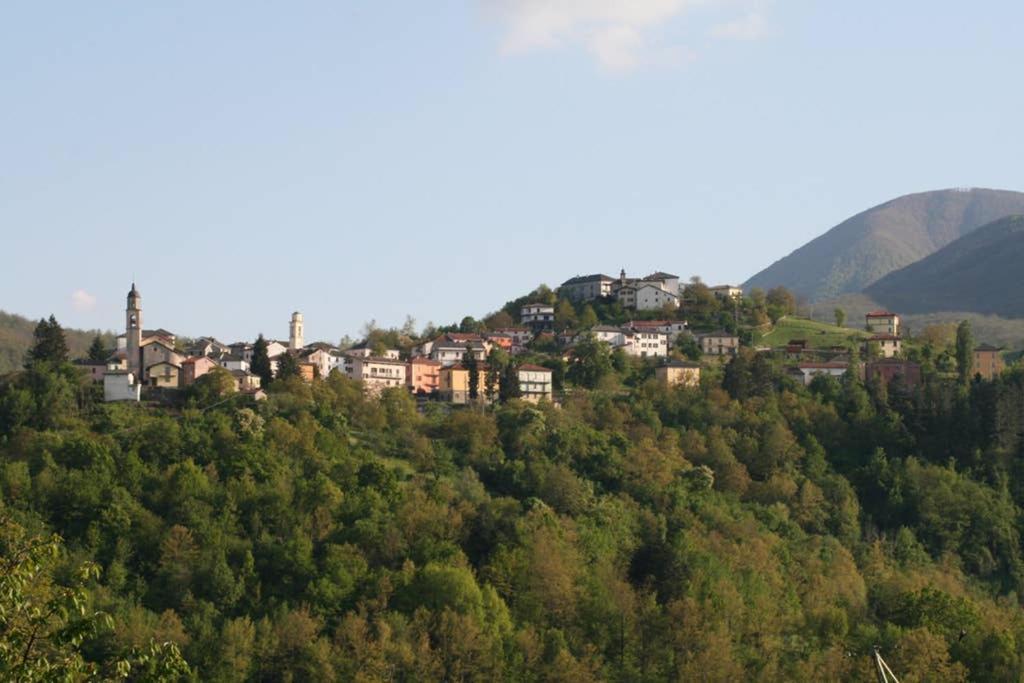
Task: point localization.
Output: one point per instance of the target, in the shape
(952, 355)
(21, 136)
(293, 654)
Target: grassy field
(816, 333)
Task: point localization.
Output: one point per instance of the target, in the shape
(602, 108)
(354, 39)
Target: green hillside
(16, 338)
(872, 244)
(818, 334)
(980, 272)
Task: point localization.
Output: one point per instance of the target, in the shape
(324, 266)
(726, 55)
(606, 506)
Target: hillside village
(671, 331)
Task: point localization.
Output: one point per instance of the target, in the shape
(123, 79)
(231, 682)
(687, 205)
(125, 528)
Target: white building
(726, 292)
(451, 348)
(534, 383)
(806, 372)
(646, 344)
(672, 328)
(120, 385)
(651, 292)
(378, 374)
(295, 332)
(651, 297)
(537, 316)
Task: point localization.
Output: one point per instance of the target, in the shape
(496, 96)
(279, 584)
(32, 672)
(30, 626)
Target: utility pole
(882, 670)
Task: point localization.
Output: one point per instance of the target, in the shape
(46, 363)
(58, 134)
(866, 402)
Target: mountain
(979, 272)
(863, 249)
(16, 338)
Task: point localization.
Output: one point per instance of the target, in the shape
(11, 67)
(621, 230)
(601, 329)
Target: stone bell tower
(295, 341)
(133, 332)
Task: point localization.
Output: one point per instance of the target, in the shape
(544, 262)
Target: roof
(134, 292)
(192, 360)
(661, 275)
(580, 279)
(680, 364)
(879, 314)
(378, 359)
(606, 328)
(534, 368)
(423, 360)
(823, 366)
(164, 362)
(988, 347)
(537, 304)
(162, 341)
(158, 332)
(718, 333)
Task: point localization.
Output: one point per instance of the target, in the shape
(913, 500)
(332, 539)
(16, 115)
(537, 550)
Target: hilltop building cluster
(441, 368)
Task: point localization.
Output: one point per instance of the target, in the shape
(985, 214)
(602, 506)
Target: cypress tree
(97, 351)
(469, 360)
(287, 366)
(49, 344)
(261, 361)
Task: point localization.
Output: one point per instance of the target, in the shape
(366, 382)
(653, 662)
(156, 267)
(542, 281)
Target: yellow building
(164, 374)
(988, 361)
(453, 384)
(679, 373)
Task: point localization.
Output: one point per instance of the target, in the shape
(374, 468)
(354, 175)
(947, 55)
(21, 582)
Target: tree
(508, 386)
(261, 361)
(588, 318)
(469, 361)
(496, 362)
(49, 344)
(780, 302)
(689, 347)
(592, 363)
(97, 350)
(964, 351)
(840, 317)
(287, 365)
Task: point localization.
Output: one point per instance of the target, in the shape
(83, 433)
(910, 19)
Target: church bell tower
(133, 332)
(295, 340)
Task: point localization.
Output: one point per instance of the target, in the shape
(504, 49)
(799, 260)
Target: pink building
(195, 367)
(423, 375)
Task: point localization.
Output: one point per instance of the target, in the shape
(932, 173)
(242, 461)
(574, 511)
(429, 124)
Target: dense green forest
(751, 529)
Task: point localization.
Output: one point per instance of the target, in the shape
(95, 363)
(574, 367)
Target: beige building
(726, 292)
(988, 361)
(719, 343)
(378, 374)
(679, 373)
(883, 322)
(453, 384)
(164, 375)
(194, 368)
(534, 383)
(889, 345)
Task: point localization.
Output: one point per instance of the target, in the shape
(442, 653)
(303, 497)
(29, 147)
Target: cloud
(621, 35)
(749, 27)
(82, 301)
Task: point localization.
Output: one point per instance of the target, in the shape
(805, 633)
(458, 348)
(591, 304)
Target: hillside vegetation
(876, 242)
(817, 334)
(980, 272)
(16, 338)
(747, 529)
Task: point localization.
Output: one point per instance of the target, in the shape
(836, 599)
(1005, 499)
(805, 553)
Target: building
(232, 363)
(534, 383)
(726, 292)
(988, 361)
(245, 381)
(537, 316)
(678, 373)
(120, 385)
(651, 297)
(889, 345)
(94, 370)
(609, 334)
(423, 376)
(321, 356)
(378, 374)
(586, 287)
(195, 367)
(295, 332)
(645, 344)
(719, 343)
(165, 375)
(521, 336)
(883, 322)
(806, 372)
(451, 348)
(885, 371)
(671, 328)
(207, 346)
(453, 384)
(133, 332)
(651, 292)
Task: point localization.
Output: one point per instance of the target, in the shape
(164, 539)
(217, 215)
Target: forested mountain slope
(982, 272)
(876, 242)
(16, 338)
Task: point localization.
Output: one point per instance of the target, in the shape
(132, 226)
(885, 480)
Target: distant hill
(872, 244)
(980, 272)
(16, 338)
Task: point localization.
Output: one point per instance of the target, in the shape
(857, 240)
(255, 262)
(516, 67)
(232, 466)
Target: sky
(369, 160)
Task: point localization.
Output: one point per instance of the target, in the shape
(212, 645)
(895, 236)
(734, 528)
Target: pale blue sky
(361, 160)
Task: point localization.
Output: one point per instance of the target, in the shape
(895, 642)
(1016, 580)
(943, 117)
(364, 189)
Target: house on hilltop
(988, 361)
(586, 287)
(883, 322)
